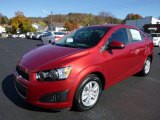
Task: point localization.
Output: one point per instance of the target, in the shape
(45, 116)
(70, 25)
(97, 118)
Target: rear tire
(146, 68)
(88, 93)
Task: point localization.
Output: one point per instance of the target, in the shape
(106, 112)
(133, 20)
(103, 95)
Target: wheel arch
(151, 57)
(82, 81)
(98, 71)
(102, 78)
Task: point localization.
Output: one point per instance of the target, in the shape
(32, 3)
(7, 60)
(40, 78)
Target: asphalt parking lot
(136, 98)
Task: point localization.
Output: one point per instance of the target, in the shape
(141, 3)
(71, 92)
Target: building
(39, 27)
(56, 26)
(2, 29)
(140, 23)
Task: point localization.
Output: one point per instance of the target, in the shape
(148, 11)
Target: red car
(73, 71)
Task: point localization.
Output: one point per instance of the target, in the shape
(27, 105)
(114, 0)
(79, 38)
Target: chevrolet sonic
(73, 71)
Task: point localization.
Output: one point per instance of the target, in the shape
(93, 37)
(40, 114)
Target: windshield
(83, 38)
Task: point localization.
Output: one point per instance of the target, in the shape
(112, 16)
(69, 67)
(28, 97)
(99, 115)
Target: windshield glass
(83, 38)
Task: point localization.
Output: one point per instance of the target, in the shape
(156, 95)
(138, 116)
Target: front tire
(88, 93)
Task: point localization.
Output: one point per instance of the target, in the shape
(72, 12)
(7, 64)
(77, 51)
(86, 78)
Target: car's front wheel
(88, 93)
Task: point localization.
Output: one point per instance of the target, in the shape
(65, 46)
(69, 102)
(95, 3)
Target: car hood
(44, 55)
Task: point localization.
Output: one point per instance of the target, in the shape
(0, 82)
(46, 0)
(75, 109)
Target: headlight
(56, 74)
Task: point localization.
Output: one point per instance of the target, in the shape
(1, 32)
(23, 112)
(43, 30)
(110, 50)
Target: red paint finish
(115, 65)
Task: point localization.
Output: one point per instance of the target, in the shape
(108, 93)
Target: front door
(118, 63)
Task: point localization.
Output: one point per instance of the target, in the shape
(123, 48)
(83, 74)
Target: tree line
(74, 20)
(71, 20)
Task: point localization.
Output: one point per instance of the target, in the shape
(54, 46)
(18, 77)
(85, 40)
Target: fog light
(54, 97)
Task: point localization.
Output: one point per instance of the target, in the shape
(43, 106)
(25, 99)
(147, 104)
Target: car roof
(113, 25)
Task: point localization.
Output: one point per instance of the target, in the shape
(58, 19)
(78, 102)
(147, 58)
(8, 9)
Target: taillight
(57, 38)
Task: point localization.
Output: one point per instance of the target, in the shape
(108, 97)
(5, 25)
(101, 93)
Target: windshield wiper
(75, 45)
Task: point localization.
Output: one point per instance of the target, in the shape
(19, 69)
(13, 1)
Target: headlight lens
(56, 74)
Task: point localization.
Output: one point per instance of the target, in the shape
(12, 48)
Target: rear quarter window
(136, 36)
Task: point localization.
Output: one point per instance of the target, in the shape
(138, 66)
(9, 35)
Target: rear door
(138, 46)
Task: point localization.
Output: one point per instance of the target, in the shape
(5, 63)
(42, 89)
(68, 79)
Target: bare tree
(19, 13)
(105, 14)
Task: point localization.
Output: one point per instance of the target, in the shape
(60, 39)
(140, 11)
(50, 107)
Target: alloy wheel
(147, 66)
(90, 93)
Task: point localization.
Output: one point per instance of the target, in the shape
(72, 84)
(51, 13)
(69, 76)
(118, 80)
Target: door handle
(136, 51)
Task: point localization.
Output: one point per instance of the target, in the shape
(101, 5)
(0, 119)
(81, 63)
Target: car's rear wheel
(146, 68)
(88, 93)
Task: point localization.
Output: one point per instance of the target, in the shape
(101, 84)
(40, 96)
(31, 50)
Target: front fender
(83, 74)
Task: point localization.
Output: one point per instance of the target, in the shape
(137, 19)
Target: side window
(119, 35)
(49, 34)
(45, 35)
(136, 36)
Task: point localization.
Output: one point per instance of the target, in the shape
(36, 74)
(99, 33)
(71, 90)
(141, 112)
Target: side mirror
(116, 45)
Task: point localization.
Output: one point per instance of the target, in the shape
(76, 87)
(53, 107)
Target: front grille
(22, 73)
(21, 89)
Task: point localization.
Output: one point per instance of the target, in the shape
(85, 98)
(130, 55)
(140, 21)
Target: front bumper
(56, 94)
